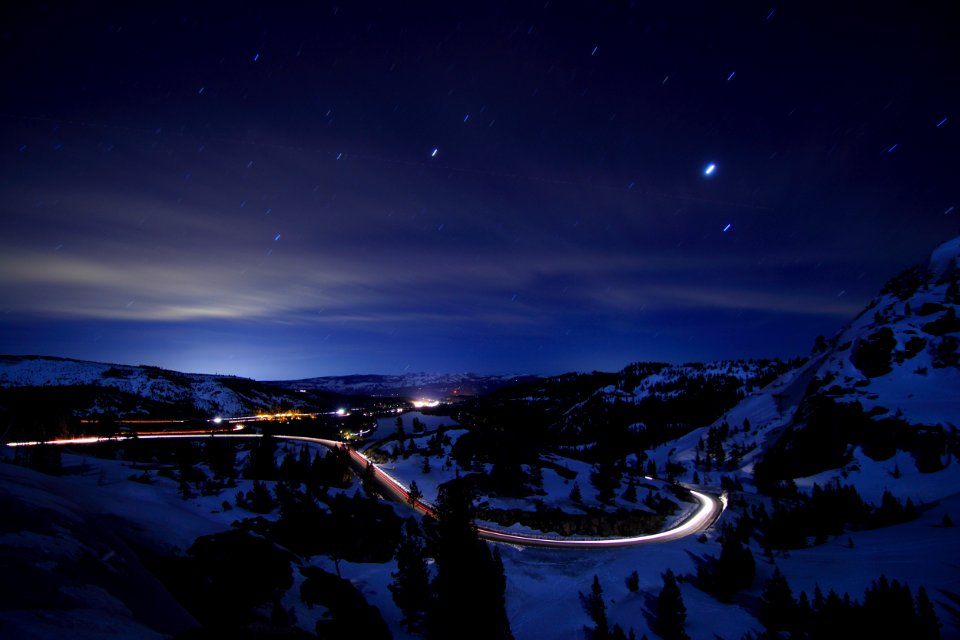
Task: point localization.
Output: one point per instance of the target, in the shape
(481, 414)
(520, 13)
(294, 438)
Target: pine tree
(575, 494)
(414, 495)
(262, 461)
(221, 457)
(818, 599)
(596, 608)
(411, 582)
(259, 498)
(804, 612)
(368, 480)
(468, 590)
(303, 464)
(732, 571)
(288, 469)
(778, 609)
(928, 627)
(671, 614)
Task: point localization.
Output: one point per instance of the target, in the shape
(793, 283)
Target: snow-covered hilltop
(900, 356)
(877, 406)
(125, 390)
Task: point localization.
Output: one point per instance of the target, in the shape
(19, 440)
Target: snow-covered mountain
(876, 407)
(408, 385)
(900, 356)
(651, 395)
(124, 390)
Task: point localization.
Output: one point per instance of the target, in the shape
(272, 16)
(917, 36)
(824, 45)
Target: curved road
(701, 519)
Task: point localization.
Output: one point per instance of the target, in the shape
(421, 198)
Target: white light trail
(709, 510)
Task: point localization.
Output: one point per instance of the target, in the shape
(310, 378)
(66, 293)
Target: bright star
(433, 154)
(710, 169)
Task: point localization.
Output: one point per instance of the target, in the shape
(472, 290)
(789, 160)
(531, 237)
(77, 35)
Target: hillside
(886, 385)
(93, 388)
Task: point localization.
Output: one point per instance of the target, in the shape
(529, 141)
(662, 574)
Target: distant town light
(423, 402)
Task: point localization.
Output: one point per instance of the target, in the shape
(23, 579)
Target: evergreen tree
(414, 495)
(575, 494)
(818, 599)
(804, 617)
(596, 608)
(288, 469)
(671, 614)
(606, 478)
(259, 498)
(468, 590)
(221, 456)
(633, 582)
(778, 609)
(303, 464)
(368, 480)
(732, 571)
(411, 581)
(262, 461)
(928, 625)
(736, 566)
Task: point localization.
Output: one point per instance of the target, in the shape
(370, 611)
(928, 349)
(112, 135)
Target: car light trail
(709, 510)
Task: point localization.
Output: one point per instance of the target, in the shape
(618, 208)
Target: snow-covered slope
(649, 394)
(893, 370)
(69, 568)
(208, 394)
(900, 356)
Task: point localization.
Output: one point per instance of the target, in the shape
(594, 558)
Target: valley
(838, 471)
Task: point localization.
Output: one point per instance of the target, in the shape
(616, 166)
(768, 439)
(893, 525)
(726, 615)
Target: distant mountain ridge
(408, 385)
(125, 390)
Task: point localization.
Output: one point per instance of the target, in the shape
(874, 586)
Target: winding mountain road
(706, 514)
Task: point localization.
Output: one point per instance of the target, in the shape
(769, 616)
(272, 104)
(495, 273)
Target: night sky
(506, 188)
